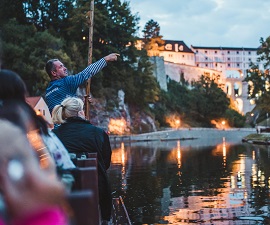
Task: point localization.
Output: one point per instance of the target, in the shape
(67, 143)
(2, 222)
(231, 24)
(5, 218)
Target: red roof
(32, 101)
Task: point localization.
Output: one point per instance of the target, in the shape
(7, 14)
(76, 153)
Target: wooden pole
(90, 50)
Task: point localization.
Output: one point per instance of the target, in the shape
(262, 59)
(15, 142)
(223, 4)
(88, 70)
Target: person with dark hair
(22, 115)
(62, 85)
(13, 105)
(80, 137)
(12, 86)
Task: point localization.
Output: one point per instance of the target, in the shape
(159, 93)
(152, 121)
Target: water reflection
(166, 183)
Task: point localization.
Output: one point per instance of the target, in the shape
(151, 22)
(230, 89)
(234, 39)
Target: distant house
(41, 108)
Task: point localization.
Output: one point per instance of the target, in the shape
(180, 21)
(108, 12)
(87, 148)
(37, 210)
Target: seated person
(12, 95)
(30, 196)
(79, 136)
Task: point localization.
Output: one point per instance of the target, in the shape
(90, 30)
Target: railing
(84, 200)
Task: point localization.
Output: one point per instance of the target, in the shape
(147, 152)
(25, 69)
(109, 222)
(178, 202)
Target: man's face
(60, 70)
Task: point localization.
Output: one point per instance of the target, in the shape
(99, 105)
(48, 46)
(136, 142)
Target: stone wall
(159, 71)
(163, 70)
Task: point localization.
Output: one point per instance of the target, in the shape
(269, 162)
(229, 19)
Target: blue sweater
(60, 89)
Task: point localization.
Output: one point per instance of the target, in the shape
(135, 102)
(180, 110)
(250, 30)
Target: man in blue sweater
(62, 85)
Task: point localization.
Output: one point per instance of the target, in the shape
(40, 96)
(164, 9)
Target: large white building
(225, 58)
(234, 64)
(229, 63)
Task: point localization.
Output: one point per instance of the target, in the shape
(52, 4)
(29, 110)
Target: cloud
(232, 23)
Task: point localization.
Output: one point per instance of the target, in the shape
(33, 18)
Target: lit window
(181, 48)
(168, 47)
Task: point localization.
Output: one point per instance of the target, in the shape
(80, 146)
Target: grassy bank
(257, 138)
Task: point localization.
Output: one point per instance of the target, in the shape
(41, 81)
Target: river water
(182, 182)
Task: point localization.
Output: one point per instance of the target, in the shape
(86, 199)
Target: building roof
(174, 43)
(32, 101)
(225, 48)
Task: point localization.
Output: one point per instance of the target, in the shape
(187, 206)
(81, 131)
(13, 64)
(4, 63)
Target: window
(216, 64)
(206, 58)
(183, 56)
(197, 51)
(205, 51)
(228, 52)
(229, 59)
(43, 112)
(249, 59)
(206, 65)
(197, 65)
(249, 53)
(238, 64)
(229, 65)
(215, 52)
(237, 52)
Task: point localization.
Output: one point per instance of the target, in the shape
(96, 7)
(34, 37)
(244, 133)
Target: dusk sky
(226, 23)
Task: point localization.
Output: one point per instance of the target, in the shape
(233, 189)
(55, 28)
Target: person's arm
(91, 70)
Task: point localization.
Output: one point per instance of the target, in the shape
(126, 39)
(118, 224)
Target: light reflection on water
(175, 183)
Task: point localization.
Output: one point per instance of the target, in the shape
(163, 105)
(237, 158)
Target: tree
(48, 14)
(145, 89)
(151, 29)
(259, 80)
(208, 99)
(153, 42)
(10, 9)
(28, 42)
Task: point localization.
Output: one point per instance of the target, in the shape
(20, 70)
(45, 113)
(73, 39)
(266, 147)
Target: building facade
(234, 64)
(41, 108)
(230, 64)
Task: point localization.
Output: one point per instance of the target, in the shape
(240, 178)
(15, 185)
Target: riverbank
(200, 135)
(262, 139)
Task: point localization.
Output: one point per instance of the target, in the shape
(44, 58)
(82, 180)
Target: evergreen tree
(153, 42)
(151, 29)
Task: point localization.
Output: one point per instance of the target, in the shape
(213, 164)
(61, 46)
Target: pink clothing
(50, 216)
(1, 222)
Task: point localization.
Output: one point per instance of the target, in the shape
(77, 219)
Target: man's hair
(50, 66)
